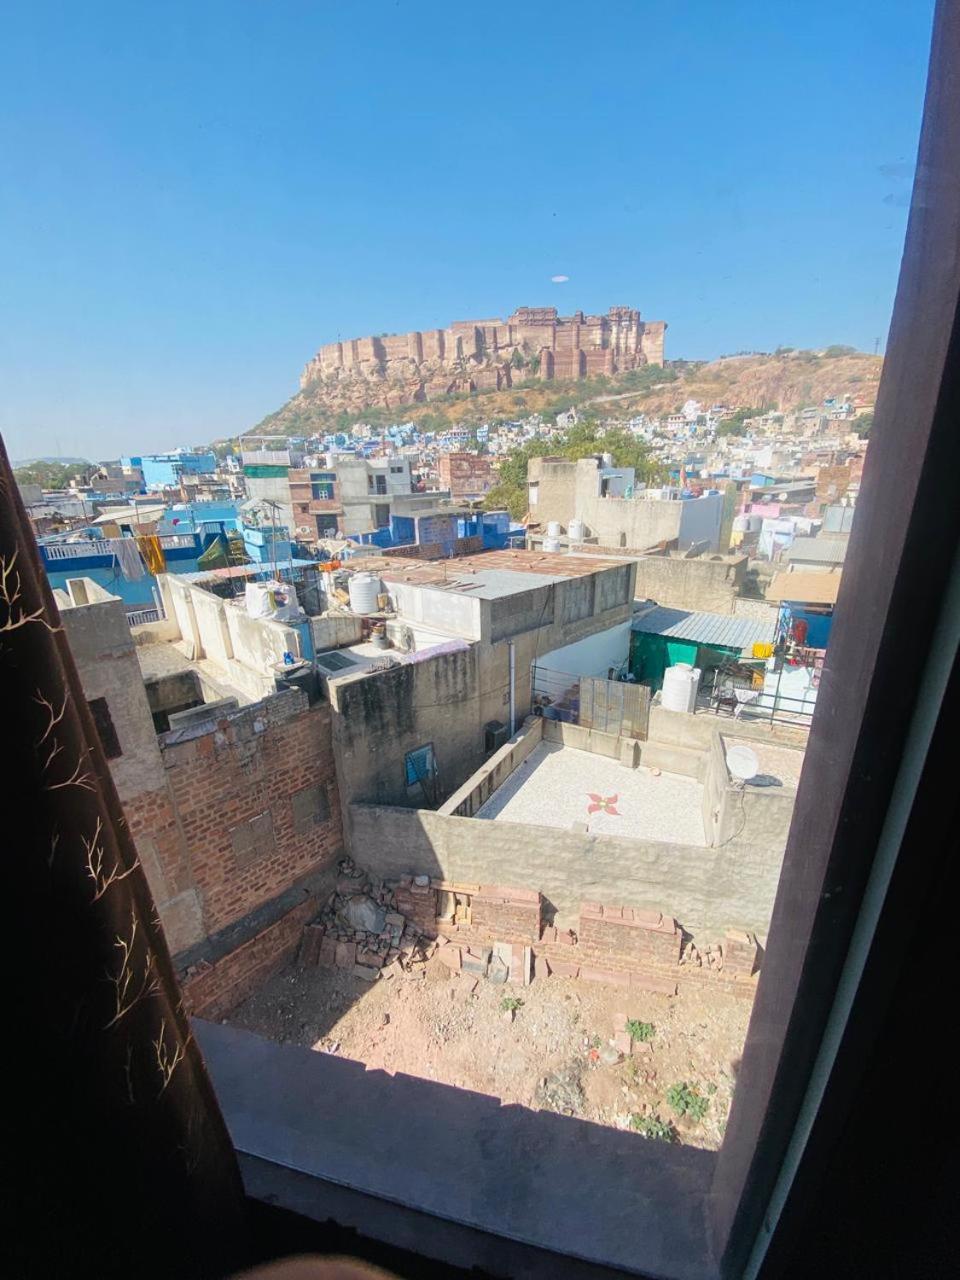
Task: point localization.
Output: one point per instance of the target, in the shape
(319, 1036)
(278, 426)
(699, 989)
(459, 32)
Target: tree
(864, 425)
(583, 440)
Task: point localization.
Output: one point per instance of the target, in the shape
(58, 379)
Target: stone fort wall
(477, 355)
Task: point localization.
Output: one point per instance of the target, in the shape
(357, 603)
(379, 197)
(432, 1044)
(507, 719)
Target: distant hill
(782, 381)
(52, 460)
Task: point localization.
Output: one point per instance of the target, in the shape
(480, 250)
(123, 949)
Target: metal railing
(79, 550)
(140, 617)
(754, 693)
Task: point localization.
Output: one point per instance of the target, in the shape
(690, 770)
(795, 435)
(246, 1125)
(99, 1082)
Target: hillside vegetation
(783, 381)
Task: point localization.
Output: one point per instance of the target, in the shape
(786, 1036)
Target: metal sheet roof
(707, 628)
(817, 551)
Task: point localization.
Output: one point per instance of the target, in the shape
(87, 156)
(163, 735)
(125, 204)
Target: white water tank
(554, 529)
(363, 590)
(680, 685)
(608, 460)
(551, 544)
(576, 530)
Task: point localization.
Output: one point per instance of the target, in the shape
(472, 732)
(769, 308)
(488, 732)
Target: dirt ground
(553, 1052)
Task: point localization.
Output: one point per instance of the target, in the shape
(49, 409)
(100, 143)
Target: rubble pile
(361, 930)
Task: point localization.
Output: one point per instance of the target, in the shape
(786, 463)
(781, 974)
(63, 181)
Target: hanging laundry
(128, 558)
(152, 552)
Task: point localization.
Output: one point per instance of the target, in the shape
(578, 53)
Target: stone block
(346, 956)
(365, 972)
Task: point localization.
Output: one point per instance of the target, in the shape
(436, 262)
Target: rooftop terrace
(558, 786)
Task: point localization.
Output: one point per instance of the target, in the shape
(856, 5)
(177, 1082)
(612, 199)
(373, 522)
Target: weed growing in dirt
(687, 1100)
(510, 1004)
(653, 1127)
(642, 1031)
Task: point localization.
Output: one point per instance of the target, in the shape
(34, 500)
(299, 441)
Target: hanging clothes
(152, 552)
(128, 558)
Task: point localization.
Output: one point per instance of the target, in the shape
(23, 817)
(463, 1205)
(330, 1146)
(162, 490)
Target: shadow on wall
(545, 1180)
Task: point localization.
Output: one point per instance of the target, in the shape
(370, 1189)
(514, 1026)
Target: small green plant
(642, 1031)
(687, 1100)
(653, 1127)
(510, 1004)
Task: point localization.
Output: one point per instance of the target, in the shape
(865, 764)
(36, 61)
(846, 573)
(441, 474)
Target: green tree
(864, 425)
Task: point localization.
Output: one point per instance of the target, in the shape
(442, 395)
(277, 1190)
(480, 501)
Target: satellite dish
(742, 763)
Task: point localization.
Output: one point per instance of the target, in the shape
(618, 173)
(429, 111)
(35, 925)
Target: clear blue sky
(194, 196)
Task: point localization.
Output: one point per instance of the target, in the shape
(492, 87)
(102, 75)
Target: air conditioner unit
(494, 735)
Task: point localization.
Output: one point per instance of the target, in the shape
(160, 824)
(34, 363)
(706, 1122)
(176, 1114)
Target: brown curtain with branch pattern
(120, 1163)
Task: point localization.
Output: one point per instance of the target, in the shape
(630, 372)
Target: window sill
(452, 1174)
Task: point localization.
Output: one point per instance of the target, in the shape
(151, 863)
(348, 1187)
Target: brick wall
(506, 913)
(627, 938)
(242, 795)
(213, 990)
(613, 944)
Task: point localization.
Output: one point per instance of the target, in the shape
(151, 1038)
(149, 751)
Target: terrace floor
(558, 786)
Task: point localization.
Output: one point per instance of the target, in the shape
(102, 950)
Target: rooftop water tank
(363, 590)
(576, 530)
(680, 685)
(551, 544)
(553, 529)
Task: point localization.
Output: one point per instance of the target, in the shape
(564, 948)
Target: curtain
(120, 1162)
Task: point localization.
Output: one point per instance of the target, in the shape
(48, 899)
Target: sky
(195, 196)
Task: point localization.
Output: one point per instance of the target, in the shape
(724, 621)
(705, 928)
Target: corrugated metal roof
(707, 628)
(817, 551)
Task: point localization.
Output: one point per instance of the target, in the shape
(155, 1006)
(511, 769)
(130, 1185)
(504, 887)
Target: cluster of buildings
(294, 656)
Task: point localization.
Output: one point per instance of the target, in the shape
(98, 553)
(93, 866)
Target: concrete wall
(335, 629)
(106, 659)
(466, 800)
(592, 656)
(696, 731)
(707, 889)
(700, 584)
(700, 520)
(449, 613)
(224, 634)
(378, 718)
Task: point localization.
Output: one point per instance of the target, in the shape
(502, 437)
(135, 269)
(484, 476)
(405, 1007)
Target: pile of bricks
(416, 898)
(501, 962)
(406, 911)
(737, 957)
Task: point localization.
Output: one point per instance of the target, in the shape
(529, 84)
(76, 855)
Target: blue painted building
(163, 470)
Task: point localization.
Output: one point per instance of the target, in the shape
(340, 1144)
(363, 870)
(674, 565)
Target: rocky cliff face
(480, 355)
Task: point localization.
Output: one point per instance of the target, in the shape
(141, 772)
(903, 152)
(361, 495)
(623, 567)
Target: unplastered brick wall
(505, 912)
(626, 937)
(612, 943)
(255, 798)
(214, 989)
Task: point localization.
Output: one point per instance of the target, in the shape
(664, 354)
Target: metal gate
(614, 706)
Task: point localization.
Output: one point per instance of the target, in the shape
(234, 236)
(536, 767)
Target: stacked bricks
(623, 944)
(503, 912)
(417, 900)
(212, 990)
(740, 954)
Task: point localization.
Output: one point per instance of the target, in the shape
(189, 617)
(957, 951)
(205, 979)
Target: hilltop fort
(484, 355)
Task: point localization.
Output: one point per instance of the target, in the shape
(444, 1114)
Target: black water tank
(299, 675)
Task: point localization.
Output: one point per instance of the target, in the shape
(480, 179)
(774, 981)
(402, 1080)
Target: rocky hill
(783, 381)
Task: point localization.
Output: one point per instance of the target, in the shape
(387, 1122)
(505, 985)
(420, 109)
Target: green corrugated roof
(721, 630)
